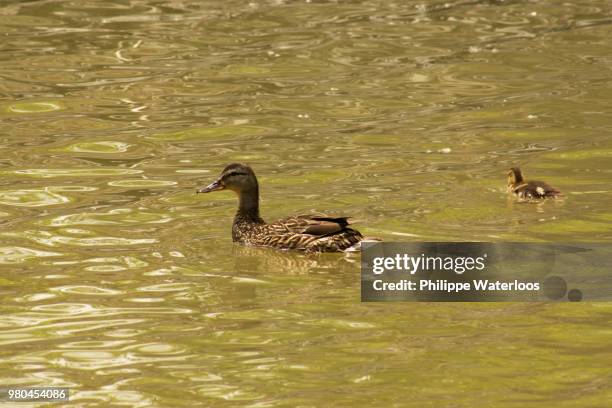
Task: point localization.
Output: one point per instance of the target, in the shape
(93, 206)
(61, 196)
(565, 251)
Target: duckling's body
(310, 233)
(529, 190)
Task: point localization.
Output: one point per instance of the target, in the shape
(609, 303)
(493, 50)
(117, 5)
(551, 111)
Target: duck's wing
(537, 189)
(311, 225)
(311, 233)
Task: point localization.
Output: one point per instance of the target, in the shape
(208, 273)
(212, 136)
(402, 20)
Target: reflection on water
(118, 281)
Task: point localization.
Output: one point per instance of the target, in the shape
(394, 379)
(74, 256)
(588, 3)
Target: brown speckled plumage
(529, 190)
(309, 233)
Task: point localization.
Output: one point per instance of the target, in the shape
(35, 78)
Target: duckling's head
(514, 176)
(236, 177)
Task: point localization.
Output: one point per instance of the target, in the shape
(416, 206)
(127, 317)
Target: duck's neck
(248, 207)
(518, 177)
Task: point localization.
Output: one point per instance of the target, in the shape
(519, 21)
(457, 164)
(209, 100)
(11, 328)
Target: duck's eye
(236, 173)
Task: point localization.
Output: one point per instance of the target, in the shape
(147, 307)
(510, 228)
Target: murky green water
(121, 283)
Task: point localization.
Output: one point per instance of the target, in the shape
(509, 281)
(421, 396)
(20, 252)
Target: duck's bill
(216, 186)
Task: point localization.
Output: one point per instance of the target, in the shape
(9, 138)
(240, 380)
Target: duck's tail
(357, 247)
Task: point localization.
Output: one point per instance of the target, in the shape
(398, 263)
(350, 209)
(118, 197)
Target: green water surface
(119, 282)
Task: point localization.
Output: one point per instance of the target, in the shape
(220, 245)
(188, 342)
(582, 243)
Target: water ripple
(87, 290)
(12, 255)
(77, 172)
(32, 198)
(50, 239)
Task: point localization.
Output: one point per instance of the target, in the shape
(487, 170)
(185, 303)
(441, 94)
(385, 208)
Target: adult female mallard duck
(529, 190)
(308, 233)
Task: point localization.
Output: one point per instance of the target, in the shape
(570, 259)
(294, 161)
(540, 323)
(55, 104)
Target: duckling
(529, 190)
(307, 233)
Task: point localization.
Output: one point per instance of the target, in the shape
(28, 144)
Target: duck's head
(514, 176)
(236, 177)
